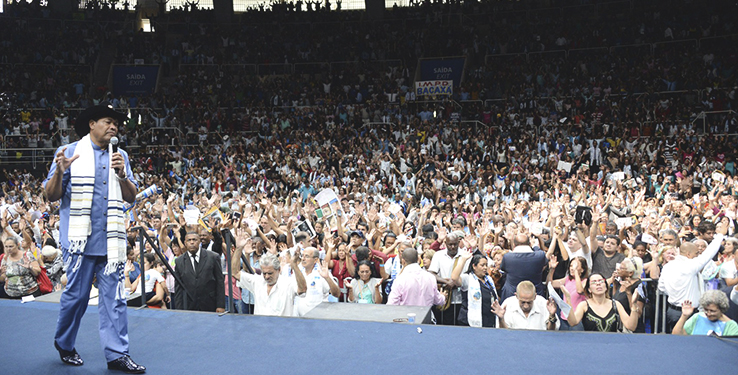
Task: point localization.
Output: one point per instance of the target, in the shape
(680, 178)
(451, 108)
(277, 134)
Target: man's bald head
(688, 249)
(410, 255)
(521, 239)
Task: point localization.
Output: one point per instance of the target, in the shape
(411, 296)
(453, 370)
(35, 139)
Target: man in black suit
(202, 275)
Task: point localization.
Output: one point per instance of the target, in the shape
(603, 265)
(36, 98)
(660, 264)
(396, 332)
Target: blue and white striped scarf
(83, 184)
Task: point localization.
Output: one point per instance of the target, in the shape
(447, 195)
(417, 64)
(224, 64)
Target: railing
(445, 99)
(181, 288)
(374, 124)
(307, 67)
(143, 237)
(165, 128)
(33, 156)
(703, 116)
(475, 123)
(701, 93)
(648, 48)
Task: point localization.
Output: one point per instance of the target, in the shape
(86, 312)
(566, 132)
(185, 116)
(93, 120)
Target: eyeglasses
(598, 282)
(712, 311)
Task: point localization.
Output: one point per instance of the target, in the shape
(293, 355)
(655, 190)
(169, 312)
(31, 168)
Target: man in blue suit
(92, 233)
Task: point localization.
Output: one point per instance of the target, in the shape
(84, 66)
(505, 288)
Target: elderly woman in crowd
(662, 256)
(711, 319)
(427, 257)
(19, 270)
(51, 260)
(627, 286)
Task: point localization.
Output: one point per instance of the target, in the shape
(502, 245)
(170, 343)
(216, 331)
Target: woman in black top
(629, 269)
(600, 313)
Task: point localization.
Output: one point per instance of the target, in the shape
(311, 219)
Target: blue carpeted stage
(175, 342)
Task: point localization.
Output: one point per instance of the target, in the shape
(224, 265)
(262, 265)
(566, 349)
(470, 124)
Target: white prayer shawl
(474, 299)
(83, 183)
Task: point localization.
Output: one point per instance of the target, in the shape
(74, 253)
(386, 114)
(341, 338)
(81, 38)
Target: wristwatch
(552, 319)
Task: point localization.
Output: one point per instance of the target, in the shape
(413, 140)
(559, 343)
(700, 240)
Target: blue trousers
(240, 305)
(112, 311)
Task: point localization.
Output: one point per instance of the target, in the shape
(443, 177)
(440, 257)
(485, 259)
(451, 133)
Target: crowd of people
(633, 73)
(563, 209)
(571, 203)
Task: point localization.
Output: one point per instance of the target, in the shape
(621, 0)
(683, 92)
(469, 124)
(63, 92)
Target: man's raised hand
(62, 161)
(324, 270)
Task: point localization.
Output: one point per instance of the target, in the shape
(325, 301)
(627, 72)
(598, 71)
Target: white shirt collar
(196, 256)
(534, 309)
(522, 249)
(411, 267)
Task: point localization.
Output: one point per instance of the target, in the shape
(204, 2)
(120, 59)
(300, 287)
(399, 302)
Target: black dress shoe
(126, 364)
(69, 357)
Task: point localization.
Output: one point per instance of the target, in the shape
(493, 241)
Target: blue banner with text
(135, 79)
(445, 69)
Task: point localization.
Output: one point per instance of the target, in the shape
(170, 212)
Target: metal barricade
(143, 236)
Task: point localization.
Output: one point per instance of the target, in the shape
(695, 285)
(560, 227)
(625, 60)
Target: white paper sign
(252, 225)
(564, 165)
(191, 215)
(536, 228)
(325, 197)
(431, 88)
(304, 226)
(649, 239)
(624, 222)
(329, 209)
(565, 308)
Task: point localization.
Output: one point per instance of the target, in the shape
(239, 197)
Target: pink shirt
(236, 289)
(576, 298)
(415, 286)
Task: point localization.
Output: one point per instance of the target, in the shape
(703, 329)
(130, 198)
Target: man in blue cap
(93, 179)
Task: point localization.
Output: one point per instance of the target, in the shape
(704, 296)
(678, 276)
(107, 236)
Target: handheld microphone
(114, 143)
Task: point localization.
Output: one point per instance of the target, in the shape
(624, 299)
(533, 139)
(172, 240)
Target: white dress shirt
(278, 302)
(318, 291)
(195, 258)
(443, 265)
(680, 278)
(537, 317)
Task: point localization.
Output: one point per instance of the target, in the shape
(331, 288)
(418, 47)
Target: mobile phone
(237, 215)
